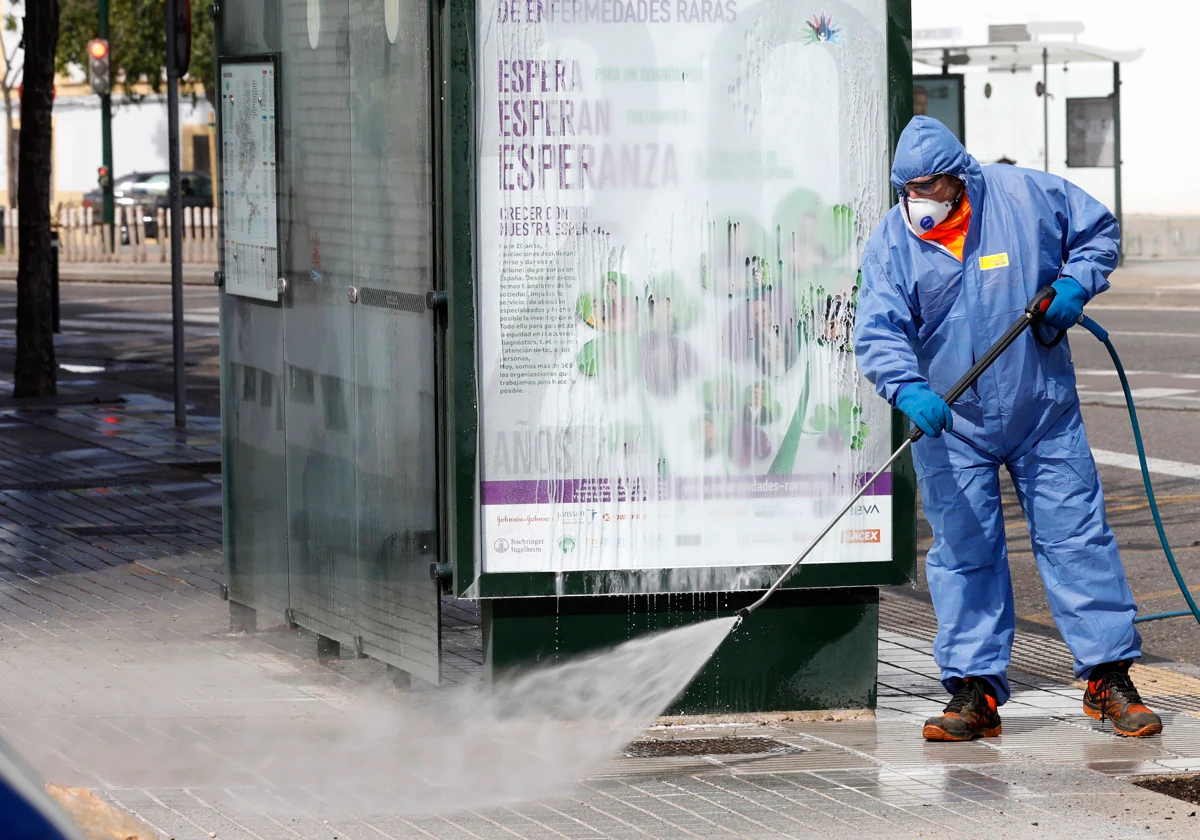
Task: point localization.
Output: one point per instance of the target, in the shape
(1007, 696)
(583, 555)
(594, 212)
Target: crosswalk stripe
(1178, 469)
(1109, 372)
(1146, 334)
(1143, 393)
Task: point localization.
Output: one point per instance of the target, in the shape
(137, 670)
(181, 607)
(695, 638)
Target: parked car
(150, 191)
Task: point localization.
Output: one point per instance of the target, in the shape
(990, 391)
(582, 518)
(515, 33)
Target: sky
(1159, 117)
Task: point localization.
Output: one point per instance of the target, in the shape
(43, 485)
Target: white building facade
(139, 138)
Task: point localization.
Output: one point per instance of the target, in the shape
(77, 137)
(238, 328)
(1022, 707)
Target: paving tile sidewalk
(110, 569)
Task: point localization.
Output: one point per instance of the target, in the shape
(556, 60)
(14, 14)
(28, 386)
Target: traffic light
(102, 177)
(98, 74)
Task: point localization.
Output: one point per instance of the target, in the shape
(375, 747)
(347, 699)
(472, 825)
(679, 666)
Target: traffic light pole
(106, 142)
(176, 197)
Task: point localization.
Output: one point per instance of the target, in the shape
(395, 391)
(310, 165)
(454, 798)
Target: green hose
(1102, 334)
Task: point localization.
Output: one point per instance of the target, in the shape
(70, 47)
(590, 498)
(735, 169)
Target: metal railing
(142, 235)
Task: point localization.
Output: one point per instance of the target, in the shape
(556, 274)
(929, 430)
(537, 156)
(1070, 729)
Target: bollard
(54, 278)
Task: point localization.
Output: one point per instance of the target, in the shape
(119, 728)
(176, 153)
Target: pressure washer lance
(1036, 309)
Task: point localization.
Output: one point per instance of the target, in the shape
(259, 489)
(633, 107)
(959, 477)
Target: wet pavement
(110, 588)
(110, 572)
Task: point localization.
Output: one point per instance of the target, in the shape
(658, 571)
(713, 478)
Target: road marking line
(1117, 400)
(1112, 373)
(1164, 593)
(128, 299)
(1142, 334)
(1179, 469)
(1145, 393)
(1144, 504)
(1117, 307)
(191, 317)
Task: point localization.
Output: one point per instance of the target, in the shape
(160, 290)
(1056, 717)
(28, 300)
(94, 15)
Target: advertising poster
(1091, 132)
(673, 198)
(941, 97)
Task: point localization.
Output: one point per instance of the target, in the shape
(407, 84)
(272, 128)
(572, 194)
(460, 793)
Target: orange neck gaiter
(952, 233)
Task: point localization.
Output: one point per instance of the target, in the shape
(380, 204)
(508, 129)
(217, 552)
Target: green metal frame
(900, 106)
(460, 493)
(460, 507)
(828, 662)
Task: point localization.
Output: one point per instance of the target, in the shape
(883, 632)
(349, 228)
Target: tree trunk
(36, 373)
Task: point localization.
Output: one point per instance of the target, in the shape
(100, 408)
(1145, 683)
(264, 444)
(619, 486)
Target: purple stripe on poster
(598, 490)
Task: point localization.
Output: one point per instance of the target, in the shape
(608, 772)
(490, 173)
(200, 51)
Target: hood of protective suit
(927, 147)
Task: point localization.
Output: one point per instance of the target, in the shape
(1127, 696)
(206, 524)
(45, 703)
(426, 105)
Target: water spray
(1033, 313)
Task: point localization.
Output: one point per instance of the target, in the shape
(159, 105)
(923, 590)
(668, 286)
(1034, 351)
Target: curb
(99, 820)
(1148, 299)
(151, 273)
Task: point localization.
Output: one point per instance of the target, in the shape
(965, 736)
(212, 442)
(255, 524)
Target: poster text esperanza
(524, 113)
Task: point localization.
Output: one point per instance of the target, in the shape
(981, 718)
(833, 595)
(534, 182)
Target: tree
(10, 81)
(36, 372)
(138, 44)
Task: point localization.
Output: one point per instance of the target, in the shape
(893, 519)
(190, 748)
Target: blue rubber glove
(1067, 306)
(925, 409)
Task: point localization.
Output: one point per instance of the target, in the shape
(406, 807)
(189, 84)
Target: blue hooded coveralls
(925, 317)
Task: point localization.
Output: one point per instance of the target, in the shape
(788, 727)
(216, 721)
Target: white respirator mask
(925, 213)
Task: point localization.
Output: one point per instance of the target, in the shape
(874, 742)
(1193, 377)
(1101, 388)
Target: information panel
(248, 179)
(673, 198)
(1091, 132)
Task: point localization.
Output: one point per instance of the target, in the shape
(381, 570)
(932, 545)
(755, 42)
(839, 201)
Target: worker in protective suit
(945, 274)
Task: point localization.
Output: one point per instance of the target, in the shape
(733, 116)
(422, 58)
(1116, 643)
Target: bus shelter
(1093, 124)
(548, 305)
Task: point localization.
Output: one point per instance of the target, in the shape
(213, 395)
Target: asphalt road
(126, 330)
(1161, 351)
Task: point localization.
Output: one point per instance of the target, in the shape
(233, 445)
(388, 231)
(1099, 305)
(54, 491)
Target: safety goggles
(925, 187)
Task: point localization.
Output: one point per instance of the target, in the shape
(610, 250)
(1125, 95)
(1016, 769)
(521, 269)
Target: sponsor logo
(531, 519)
(602, 542)
(518, 546)
(863, 535)
(577, 516)
(751, 539)
(566, 545)
(864, 509)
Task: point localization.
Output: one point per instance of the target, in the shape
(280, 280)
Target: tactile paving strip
(1047, 657)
